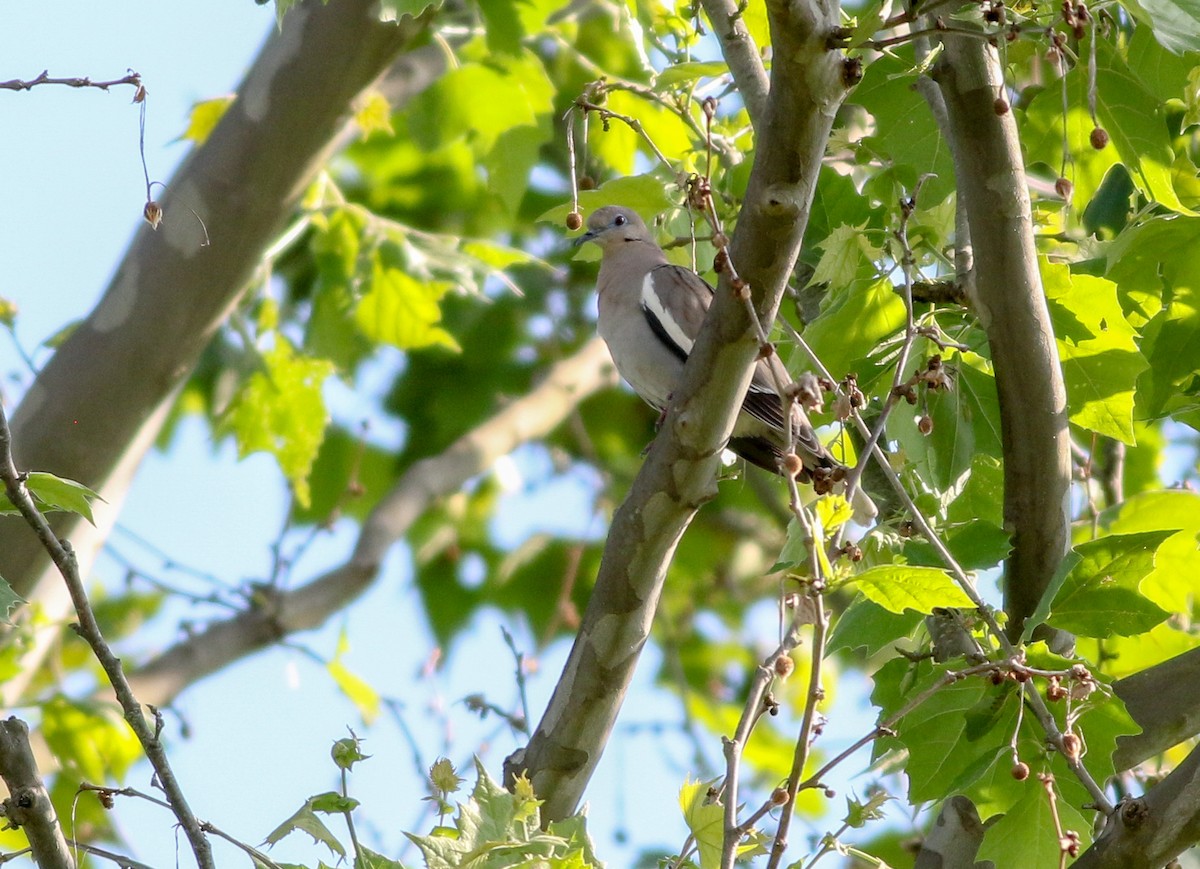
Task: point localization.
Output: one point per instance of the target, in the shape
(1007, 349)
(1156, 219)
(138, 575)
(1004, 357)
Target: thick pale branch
(741, 54)
(98, 404)
(28, 804)
(1011, 305)
(1167, 713)
(1150, 831)
(806, 89)
(307, 607)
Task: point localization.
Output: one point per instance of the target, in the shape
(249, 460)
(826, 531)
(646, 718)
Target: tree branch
(1012, 309)
(28, 805)
(1150, 831)
(678, 476)
(64, 561)
(741, 54)
(532, 416)
(1166, 714)
(99, 403)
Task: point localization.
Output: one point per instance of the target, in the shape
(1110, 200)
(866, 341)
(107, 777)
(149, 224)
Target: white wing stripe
(653, 305)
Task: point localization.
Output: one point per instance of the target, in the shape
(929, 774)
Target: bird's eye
(619, 220)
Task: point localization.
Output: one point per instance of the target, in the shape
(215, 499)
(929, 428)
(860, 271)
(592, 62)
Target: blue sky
(71, 198)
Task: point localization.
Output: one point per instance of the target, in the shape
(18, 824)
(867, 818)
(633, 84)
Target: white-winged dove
(650, 314)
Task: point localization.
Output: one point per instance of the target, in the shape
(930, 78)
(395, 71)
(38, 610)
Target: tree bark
(1011, 305)
(28, 805)
(97, 406)
(1150, 831)
(806, 89)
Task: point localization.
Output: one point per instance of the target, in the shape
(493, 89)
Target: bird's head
(613, 225)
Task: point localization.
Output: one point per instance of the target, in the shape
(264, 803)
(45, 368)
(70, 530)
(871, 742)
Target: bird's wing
(674, 302)
(764, 404)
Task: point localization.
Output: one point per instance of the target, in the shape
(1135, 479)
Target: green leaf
(477, 102)
(903, 135)
(1026, 835)
(509, 163)
(363, 696)
(204, 118)
(347, 751)
(1172, 583)
(645, 194)
(90, 739)
(868, 626)
(847, 254)
(1135, 123)
(1175, 23)
(403, 311)
(503, 25)
(374, 115)
(332, 803)
(859, 814)
(854, 320)
(1042, 612)
(59, 493)
(365, 858)
(306, 821)
(617, 144)
(897, 587)
(940, 748)
(8, 600)
(705, 819)
(1100, 596)
(689, 71)
(280, 410)
(444, 778)
(394, 10)
(1101, 362)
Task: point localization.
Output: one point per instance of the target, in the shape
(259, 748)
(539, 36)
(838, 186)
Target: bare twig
(64, 559)
(16, 84)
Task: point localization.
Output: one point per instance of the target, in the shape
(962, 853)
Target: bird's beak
(586, 237)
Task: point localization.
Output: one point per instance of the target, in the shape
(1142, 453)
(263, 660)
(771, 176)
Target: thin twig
(64, 560)
(16, 84)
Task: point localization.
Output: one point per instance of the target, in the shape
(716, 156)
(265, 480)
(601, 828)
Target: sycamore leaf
(8, 600)
(374, 115)
(705, 818)
(57, 493)
(362, 695)
(897, 587)
(690, 71)
(1027, 836)
(402, 310)
(306, 820)
(92, 739)
(394, 10)
(204, 118)
(1100, 596)
(365, 858)
(1174, 23)
(845, 251)
(281, 411)
(1100, 358)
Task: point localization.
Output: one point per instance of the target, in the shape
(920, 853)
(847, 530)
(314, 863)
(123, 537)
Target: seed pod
(1099, 138)
(574, 221)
